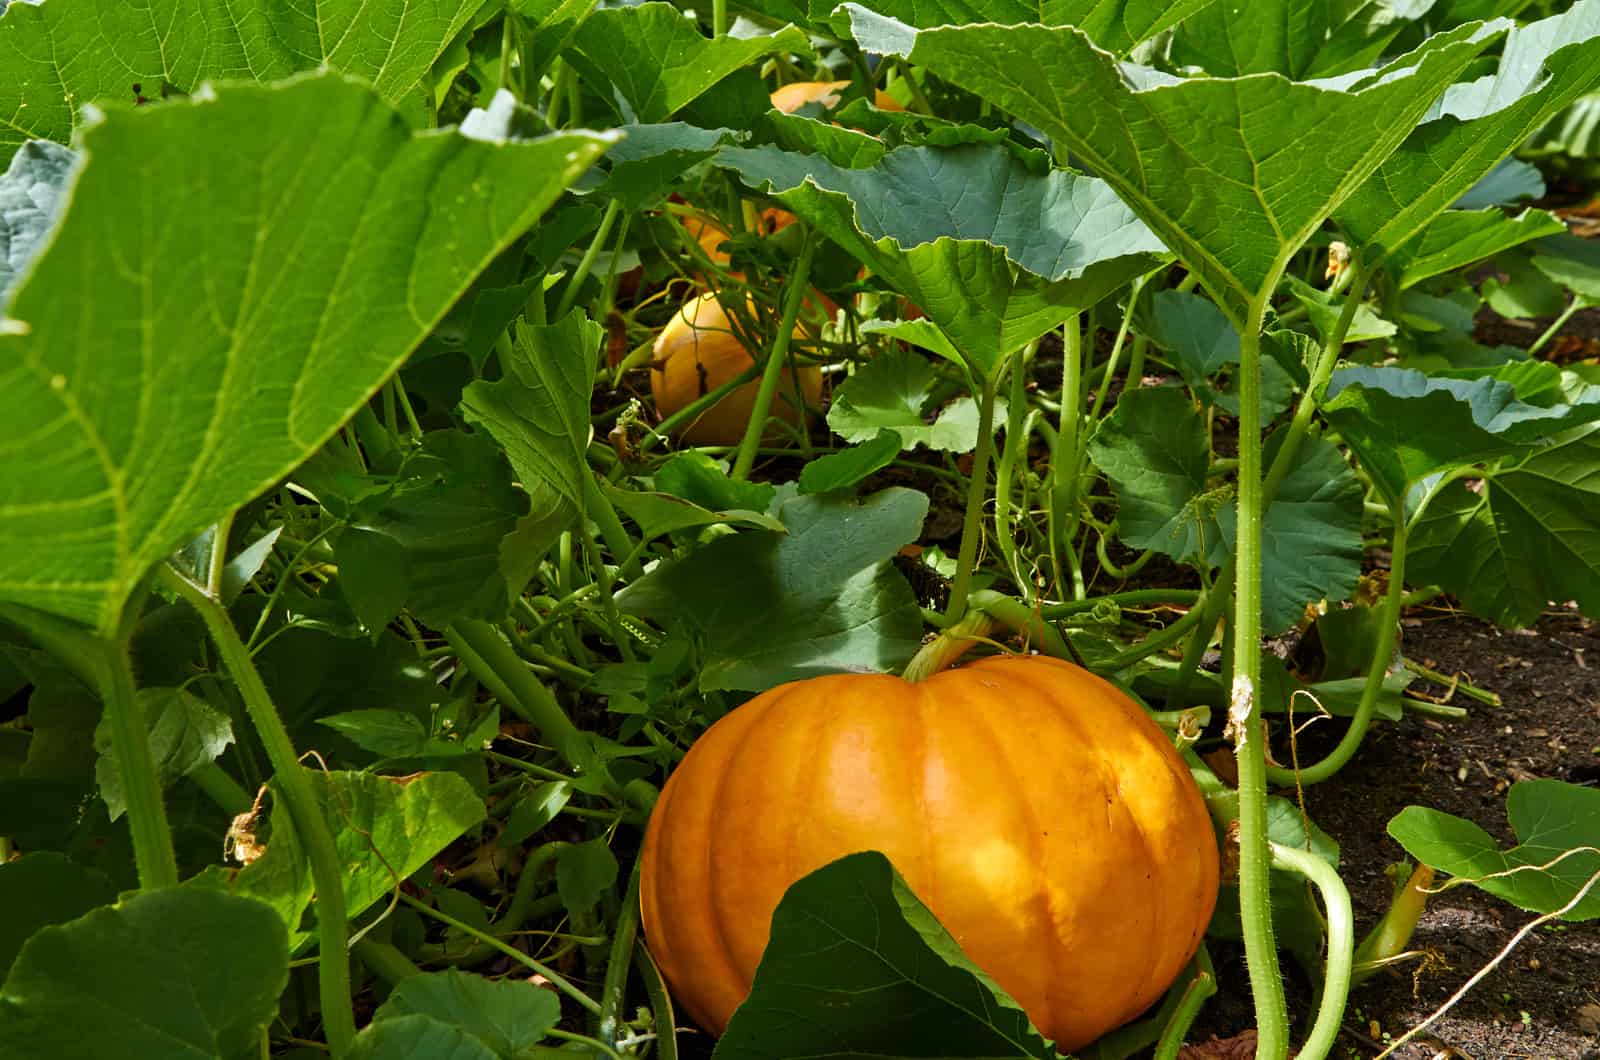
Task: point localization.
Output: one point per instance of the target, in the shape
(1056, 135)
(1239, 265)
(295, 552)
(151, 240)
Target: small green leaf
(1550, 818)
(1405, 425)
(701, 480)
(393, 734)
(890, 393)
(32, 192)
(120, 455)
(584, 872)
(535, 810)
(1323, 310)
(844, 469)
(179, 972)
(418, 1036)
(384, 828)
(659, 61)
(857, 966)
(651, 157)
(1513, 543)
(507, 1015)
(1572, 262)
(44, 888)
(186, 733)
(664, 513)
(821, 598)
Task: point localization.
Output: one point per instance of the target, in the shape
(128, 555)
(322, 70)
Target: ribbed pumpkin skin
(696, 353)
(792, 97)
(1038, 812)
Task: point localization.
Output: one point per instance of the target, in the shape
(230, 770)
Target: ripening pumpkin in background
(1039, 813)
(791, 98)
(696, 353)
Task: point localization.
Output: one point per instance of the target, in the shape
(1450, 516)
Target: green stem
(1201, 987)
(719, 18)
(385, 961)
(294, 786)
(1383, 652)
(1136, 362)
(1018, 419)
(586, 263)
(1244, 708)
(1341, 946)
(219, 555)
(1158, 641)
(1133, 598)
(222, 789)
(691, 411)
(624, 934)
(1063, 461)
(557, 980)
(130, 749)
(655, 988)
(1022, 620)
(794, 297)
(1455, 684)
(494, 662)
(1555, 327)
(604, 514)
(977, 487)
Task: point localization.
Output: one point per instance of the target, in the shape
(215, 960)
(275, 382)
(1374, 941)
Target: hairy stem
(1244, 710)
(130, 749)
(590, 253)
(294, 786)
(614, 992)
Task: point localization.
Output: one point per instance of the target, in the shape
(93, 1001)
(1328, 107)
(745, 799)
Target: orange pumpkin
(696, 353)
(1037, 810)
(791, 98)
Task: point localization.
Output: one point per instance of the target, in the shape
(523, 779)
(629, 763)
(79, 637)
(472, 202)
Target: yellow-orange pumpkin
(791, 98)
(696, 353)
(1038, 812)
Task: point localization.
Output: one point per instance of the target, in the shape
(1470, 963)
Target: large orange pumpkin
(696, 353)
(1037, 810)
(792, 97)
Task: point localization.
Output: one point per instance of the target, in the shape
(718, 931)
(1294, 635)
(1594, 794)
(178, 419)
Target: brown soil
(1543, 1003)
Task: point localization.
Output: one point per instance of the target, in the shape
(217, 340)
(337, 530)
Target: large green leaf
(507, 1015)
(57, 56)
(179, 352)
(857, 967)
(419, 1036)
(1233, 174)
(1116, 25)
(1405, 425)
(1461, 237)
(1510, 545)
(1543, 68)
(182, 973)
(819, 599)
(385, 828)
(44, 888)
(31, 196)
(1266, 36)
(658, 60)
(993, 253)
(1549, 817)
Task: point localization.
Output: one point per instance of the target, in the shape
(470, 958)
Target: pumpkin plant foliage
(364, 579)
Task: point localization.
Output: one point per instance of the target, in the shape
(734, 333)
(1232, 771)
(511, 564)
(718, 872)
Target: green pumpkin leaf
(841, 470)
(119, 456)
(44, 888)
(59, 56)
(1116, 25)
(178, 972)
(32, 193)
(857, 966)
(1405, 425)
(384, 828)
(1232, 174)
(658, 60)
(418, 1036)
(1543, 67)
(1461, 237)
(1549, 818)
(507, 1015)
(186, 733)
(1510, 545)
(818, 599)
(890, 394)
(993, 253)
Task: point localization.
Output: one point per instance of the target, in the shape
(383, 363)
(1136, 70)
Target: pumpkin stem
(943, 650)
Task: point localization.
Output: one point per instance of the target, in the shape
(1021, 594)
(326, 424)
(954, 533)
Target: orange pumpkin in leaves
(1037, 810)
